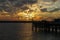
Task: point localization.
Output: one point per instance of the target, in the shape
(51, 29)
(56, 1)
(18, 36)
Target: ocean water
(23, 31)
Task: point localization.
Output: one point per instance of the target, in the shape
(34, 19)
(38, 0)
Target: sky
(14, 3)
(20, 5)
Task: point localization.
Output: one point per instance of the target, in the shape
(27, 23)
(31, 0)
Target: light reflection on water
(23, 31)
(26, 31)
(16, 31)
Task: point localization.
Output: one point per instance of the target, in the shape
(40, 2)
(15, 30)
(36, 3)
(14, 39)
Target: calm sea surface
(23, 31)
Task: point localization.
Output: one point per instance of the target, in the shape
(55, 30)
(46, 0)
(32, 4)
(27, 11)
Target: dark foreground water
(15, 31)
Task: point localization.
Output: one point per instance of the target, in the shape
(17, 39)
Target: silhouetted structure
(46, 26)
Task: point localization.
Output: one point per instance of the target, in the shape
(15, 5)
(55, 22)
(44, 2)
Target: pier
(46, 26)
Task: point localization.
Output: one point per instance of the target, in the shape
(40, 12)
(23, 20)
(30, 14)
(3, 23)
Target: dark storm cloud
(13, 4)
(21, 2)
(24, 8)
(45, 10)
(57, 9)
(24, 1)
(2, 0)
(18, 2)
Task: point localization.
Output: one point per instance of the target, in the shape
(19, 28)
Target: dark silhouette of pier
(53, 26)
